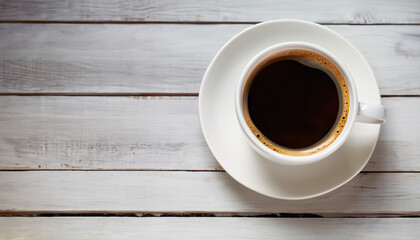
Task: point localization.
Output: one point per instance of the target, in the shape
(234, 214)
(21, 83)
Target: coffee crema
(296, 102)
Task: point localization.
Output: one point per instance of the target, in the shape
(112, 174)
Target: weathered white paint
(163, 133)
(207, 228)
(166, 58)
(162, 191)
(330, 11)
(52, 132)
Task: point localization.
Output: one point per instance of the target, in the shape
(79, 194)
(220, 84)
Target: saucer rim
(205, 82)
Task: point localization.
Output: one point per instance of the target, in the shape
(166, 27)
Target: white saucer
(229, 144)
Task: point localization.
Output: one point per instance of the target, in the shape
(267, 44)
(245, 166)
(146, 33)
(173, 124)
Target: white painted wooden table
(100, 135)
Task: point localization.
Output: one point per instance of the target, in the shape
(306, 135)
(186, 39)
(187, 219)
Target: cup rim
(258, 145)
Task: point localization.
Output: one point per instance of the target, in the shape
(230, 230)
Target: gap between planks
(201, 214)
(133, 94)
(140, 94)
(185, 22)
(153, 170)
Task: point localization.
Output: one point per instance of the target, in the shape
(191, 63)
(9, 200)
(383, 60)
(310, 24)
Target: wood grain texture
(207, 228)
(52, 132)
(330, 11)
(166, 58)
(180, 192)
(102, 133)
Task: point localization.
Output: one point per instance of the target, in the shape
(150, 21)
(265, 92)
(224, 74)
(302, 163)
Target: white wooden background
(100, 134)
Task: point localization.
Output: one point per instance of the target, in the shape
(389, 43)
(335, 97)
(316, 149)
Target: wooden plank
(102, 133)
(398, 141)
(330, 11)
(208, 228)
(52, 132)
(180, 192)
(166, 58)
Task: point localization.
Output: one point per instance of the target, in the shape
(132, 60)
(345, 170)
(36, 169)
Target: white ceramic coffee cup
(358, 111)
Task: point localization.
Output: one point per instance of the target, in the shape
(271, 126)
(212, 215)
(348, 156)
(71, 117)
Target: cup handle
(371, 113)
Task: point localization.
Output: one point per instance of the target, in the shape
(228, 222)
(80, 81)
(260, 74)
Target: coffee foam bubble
(313, 60)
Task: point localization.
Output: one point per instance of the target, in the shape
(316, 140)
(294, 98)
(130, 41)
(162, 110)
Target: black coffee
(292, 104)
